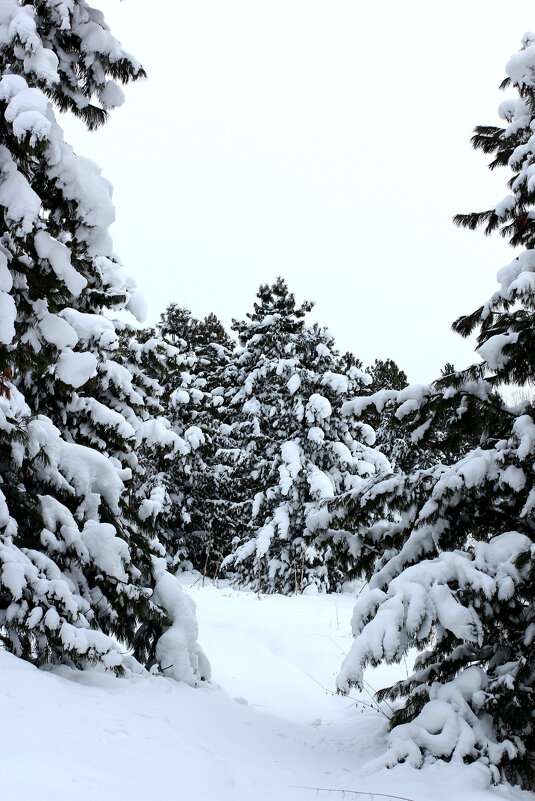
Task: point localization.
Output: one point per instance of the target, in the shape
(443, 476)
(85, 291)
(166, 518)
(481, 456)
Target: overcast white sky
(324, 141)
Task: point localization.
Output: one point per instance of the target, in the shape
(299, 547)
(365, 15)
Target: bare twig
(374, 691)
(373, 706)
(206, 560)
(335, 643)
(354, 792)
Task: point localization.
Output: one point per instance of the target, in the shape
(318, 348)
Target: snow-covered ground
(267, 727)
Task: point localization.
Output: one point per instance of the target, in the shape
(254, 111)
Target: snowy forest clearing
(264, 725)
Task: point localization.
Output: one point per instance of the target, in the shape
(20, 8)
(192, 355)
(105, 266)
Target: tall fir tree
(79, 566)
(292, 448)
(454, 573)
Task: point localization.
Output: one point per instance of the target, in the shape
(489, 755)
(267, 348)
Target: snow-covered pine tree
(385, 374)
(77, 565)
(292, 448)
(153, 365)
(209, 515)
(191, 522)
(185, 399)
(158, 367)
(392, 439)
(459, 582)
(211, 331)
(177, 326)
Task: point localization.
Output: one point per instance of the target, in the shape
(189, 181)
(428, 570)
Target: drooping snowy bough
(80, 579)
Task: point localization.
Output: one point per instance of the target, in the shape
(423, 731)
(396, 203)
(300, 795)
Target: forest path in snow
(265, 728)
(281, 655)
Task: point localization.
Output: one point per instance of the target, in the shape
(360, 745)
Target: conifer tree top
(275, 310)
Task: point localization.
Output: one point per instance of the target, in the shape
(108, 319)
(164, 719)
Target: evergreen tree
(455, 572)
(392, 437)
(211, 332)
(167, 365)
(385, 374)
(78, 563)
(191, 522)
(209, 515)
(177, 327)
(292, 448)
(185, 398)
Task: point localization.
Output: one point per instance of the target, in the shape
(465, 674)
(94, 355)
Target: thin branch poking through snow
(375, 706)
(353, 792)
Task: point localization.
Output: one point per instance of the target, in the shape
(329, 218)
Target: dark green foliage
(385, 374)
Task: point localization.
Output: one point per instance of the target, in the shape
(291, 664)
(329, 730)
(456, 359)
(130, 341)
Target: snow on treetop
(501, 551)
(54, 329)
(156, 432)
(336, 381)
(508, 275)
(511, 108)
(27, 112)
(45, 51)
(524, 428)
(74, 467)
(521, 66)
(377, 399)
(109, 552)
(291, 454)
